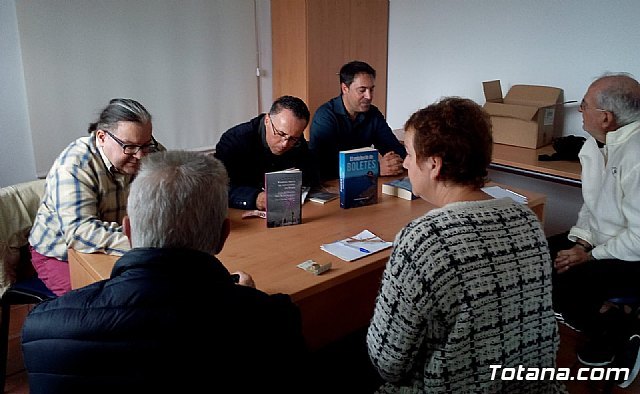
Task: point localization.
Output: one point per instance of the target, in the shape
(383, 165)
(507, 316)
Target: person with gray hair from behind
(171, 318)
(599, 258)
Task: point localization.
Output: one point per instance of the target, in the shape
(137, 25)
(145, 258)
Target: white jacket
(610, 216)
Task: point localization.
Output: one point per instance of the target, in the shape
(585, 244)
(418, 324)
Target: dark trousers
(580, 292)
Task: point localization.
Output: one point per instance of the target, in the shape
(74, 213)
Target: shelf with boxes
(524, 161)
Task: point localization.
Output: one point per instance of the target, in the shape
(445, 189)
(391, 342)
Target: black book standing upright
(284, 191)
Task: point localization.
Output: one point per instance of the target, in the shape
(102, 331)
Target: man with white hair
(171, 317)
(599, 259)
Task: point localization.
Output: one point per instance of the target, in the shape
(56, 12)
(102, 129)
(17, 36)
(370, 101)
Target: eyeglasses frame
(583, 106)
(125, 146)
(283, 135)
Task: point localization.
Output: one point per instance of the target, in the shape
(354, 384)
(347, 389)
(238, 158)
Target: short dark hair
(120, 110)
(459, 132)
(349, 71)
(293, 104)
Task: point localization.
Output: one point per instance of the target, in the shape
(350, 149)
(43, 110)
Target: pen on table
(363, 250)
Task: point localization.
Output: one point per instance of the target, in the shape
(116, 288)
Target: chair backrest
(18, 207)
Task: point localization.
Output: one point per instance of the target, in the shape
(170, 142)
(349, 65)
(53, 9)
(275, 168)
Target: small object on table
(314, 268)
(255, 214)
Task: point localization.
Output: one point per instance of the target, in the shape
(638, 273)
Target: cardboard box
(529, 116)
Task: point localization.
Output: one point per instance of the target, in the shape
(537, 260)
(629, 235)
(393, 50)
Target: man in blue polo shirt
(350, 121)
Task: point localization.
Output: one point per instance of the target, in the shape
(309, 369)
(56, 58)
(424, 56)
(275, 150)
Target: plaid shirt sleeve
(83, 205)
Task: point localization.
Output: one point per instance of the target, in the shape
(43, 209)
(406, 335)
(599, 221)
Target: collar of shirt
(112, 169)
(623, 133)
(341, 109)
(262, 130)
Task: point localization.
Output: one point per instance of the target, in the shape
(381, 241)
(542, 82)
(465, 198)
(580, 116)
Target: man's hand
(391, 164)
(244, 279)
(261, 201)
(571, 257)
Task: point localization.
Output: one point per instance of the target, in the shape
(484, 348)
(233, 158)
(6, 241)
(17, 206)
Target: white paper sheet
(500, 192)
(349, 250)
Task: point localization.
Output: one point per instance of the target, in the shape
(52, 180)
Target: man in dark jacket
(269, 142)
(351, 121)
(170, 318)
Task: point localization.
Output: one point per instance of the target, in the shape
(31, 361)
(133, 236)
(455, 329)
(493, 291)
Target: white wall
(263, 30)
(191, 63)
(16, 152)
(442, 48)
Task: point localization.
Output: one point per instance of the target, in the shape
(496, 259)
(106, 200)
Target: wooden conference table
(332, 304)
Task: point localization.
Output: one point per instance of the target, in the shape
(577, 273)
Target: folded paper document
(356, 247)
(500, 192)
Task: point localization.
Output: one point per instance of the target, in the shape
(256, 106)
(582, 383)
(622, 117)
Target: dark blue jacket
(168, 320)
(332, 130)
(244, 151)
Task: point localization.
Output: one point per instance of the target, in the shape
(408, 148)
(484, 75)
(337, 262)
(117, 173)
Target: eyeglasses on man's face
(283, 135)
(131, 149)
(584, 106)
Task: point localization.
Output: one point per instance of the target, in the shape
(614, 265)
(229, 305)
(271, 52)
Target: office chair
(18, 283)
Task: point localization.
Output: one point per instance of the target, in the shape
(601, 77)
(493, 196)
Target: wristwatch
(584, 245)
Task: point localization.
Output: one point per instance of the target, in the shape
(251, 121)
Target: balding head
(620, 94)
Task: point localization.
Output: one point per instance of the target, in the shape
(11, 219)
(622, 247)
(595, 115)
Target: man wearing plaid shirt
(86, 192)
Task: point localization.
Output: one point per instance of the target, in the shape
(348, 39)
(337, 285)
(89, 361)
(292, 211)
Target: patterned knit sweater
(467, 286)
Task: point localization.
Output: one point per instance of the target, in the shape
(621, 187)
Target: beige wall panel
(312, 39)
(369, 38)
(289, 52)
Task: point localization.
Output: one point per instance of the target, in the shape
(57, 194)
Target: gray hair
(178, 200)
(120, 110)
(620, 94)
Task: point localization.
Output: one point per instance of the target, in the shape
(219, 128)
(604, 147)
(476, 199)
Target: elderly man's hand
(244, 279)
(570, 258)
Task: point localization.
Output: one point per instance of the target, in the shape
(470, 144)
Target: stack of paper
(499, 192)
(355, 247)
